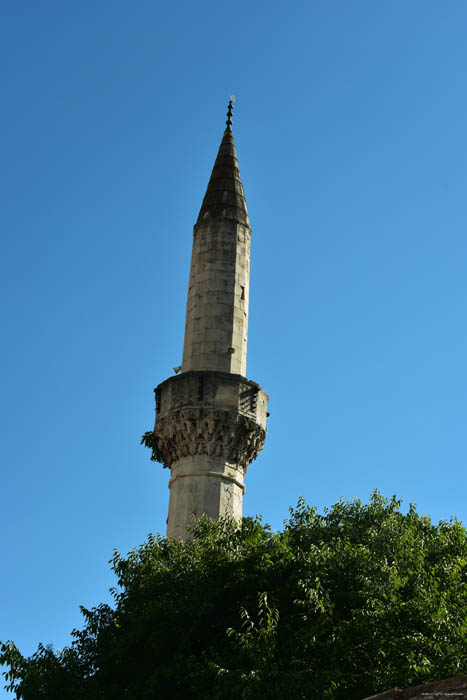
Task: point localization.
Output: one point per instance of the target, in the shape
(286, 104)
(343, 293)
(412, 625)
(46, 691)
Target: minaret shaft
(216, 329)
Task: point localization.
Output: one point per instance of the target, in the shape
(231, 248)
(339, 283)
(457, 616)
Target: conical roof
(224, 198)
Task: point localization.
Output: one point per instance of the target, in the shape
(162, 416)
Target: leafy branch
(149, 439)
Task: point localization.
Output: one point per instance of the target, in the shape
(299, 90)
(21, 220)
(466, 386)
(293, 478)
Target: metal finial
(229, 110)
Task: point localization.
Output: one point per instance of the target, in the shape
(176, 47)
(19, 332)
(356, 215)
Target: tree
(340, 605)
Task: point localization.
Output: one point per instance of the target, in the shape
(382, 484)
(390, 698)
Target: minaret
(211, 420)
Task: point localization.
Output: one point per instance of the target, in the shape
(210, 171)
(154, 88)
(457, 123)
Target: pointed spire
(224, 198)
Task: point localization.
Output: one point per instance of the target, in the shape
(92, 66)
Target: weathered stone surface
(216, 327)
(203, 485)
(221, 390)
(452, 688)
(207, 431)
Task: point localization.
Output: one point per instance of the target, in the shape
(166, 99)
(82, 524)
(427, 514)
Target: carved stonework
(211, 432)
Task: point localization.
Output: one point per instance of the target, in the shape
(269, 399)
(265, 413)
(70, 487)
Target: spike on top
(224, 198)
(229, 112)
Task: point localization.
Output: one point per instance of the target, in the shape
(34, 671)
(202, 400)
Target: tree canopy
(341, 605)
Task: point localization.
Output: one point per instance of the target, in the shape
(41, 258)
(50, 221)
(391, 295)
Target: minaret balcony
(217, 414)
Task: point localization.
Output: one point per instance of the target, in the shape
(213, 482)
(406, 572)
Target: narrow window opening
(200, 388)
(243, 292)
(157, 394)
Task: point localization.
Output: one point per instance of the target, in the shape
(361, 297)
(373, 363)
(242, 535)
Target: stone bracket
(208, 431)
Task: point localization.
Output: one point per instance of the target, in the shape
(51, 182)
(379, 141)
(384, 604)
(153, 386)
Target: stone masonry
(211, 420)
(217, 309)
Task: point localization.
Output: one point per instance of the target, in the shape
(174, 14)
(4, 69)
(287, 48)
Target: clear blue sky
(350, 125)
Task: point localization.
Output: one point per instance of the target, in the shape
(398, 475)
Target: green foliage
(149, 439)
(338, 606)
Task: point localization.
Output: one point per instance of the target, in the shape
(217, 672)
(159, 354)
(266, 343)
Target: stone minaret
(211, 420)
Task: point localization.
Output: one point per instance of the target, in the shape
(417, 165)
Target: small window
(200, 388)
(243, 293)
(157, 394)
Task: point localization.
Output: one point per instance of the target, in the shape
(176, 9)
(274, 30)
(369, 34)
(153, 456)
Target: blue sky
(350, 131)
